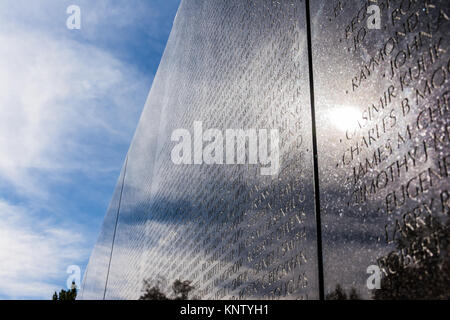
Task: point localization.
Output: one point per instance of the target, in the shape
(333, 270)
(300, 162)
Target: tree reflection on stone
(152, 291)
(420, 267)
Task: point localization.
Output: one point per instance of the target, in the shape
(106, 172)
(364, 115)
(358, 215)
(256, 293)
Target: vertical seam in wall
(315, 158)
(115, 227)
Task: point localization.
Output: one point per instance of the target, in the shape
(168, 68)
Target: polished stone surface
(382, 128)
(381, 101)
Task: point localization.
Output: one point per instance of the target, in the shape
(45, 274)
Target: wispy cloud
(34, 252)
(58, 100)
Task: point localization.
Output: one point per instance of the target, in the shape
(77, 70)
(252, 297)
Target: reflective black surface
(383, 144)
(235, 233)
(381, 115)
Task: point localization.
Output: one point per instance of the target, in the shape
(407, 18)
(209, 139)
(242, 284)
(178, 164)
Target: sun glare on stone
(344, 117)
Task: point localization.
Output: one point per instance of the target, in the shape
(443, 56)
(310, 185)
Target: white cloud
(54, 94)
(65, 107)
(34, 252)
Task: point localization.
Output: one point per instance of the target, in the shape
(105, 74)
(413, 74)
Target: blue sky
(70, 101)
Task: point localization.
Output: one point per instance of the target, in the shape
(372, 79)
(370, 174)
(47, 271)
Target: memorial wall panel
(381, 101)
(233, 231)
(242, 225)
